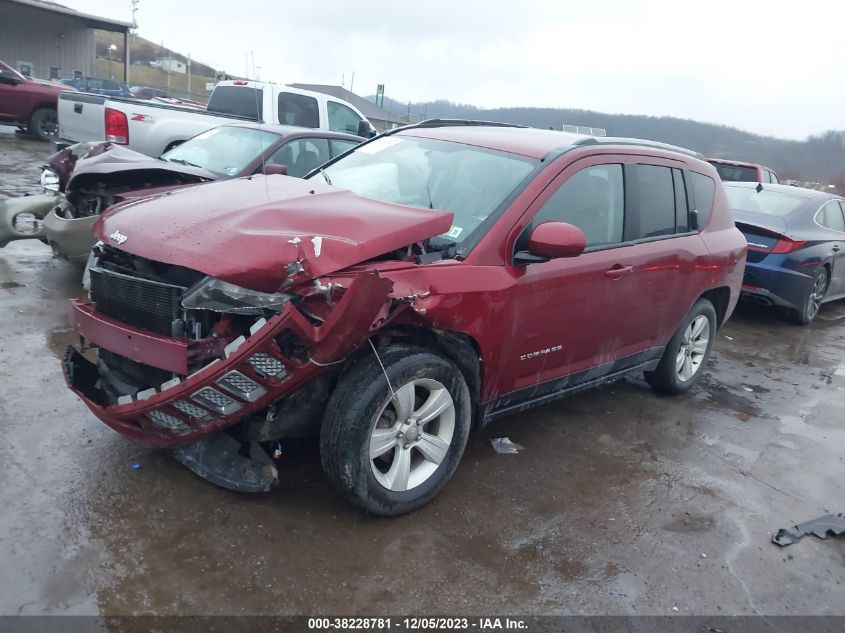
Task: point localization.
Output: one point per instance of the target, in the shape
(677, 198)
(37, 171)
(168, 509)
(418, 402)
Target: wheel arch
(720, 298)
(46, 105)
(458, 347)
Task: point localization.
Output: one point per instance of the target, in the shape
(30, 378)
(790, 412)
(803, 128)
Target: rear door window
(704, 189)
(655, 193)
(766, 178)
(301, 110)
(301, 155)
(240, 101)
(593, 199)
(774, 178)
(830, 216)
(342, 118)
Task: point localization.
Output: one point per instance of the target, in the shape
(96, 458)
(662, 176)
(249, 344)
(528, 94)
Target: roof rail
(613, 140)
(449, 122)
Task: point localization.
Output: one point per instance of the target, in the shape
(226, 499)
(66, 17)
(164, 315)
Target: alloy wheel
(693, 348)
(412, 434)
(814, 303)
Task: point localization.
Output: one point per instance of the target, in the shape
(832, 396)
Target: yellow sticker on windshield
(378, 145)
(454, 232)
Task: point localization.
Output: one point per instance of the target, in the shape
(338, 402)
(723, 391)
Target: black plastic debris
(223, 460)
(833, 524)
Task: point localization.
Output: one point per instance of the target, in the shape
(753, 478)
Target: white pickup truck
(153, 128)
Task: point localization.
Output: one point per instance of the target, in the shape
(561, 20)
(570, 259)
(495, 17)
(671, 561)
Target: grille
(215, 400)
(238, 384)
(166, 421)
(266, 365)
(142, 303)
(191, 409)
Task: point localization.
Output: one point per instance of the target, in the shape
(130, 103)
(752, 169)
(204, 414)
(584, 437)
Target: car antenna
(261, 138)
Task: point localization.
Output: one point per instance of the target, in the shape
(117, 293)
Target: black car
(796, 246)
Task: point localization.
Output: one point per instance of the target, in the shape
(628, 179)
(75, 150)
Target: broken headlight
(50, 181)
(220, 296)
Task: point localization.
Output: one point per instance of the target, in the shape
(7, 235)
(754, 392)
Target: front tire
(44, 124)
(687, 353)
(808, 310)
(393, 454)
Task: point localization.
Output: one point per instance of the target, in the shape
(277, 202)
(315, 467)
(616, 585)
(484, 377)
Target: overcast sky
(768, 67)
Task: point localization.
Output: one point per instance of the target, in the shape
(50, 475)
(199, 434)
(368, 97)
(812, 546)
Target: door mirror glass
(553, 240)
(270, 169)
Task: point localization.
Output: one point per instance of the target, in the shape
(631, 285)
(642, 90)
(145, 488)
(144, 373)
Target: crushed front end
(169, 356)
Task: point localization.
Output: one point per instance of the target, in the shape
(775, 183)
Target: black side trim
(82, 97)
(551, 390)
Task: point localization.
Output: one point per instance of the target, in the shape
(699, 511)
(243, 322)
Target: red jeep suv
(349, 305)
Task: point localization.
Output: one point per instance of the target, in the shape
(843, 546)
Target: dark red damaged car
(348, 305)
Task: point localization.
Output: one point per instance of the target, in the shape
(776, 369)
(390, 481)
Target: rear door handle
(619, 271)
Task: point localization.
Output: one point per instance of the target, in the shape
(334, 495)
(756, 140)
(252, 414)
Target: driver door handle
(619, 271)
(836, 248)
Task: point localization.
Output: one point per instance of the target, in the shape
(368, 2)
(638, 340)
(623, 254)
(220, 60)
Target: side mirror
(271, 168)
(365, 130)
(552, 240)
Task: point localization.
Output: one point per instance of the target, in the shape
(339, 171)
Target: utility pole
(189, 74)
(352, 83)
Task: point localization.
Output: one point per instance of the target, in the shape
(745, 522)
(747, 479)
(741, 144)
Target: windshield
(736, 173)
(7, 70)
(767, 202)
(225, 151)
(469, 181)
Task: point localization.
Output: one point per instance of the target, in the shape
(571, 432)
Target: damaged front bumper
(253, 375)
(70, 239)
(22, 218)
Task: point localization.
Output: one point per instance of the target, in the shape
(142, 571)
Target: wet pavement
(622, 501)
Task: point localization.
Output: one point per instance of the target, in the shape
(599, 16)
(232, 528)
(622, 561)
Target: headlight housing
(220, 296)
(50, 181)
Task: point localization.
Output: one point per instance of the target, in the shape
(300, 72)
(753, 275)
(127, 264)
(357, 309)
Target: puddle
(58, 340)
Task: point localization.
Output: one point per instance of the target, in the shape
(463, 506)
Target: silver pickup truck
(153, 128)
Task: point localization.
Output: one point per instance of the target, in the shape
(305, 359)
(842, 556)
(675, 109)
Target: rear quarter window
(240, 101)
(704, 190)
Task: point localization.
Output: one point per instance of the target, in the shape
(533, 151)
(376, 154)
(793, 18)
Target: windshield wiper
(326, 176)
(182, 161)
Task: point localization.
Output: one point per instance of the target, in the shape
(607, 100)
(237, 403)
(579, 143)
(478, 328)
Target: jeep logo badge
(118, 237)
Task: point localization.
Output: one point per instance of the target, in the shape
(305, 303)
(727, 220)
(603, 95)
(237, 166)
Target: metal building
(46, 40)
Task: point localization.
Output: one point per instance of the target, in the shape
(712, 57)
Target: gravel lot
(622, 502)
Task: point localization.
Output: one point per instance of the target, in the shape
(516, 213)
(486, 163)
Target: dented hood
(108, 158)
(248, 230)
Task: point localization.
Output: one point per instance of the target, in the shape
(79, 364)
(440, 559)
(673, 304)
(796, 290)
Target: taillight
(786, 245)
(239, 82)
(117, 127)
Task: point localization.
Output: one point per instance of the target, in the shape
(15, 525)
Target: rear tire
(44, 124)
(813, 302)
(687, 353)
(370, 453)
